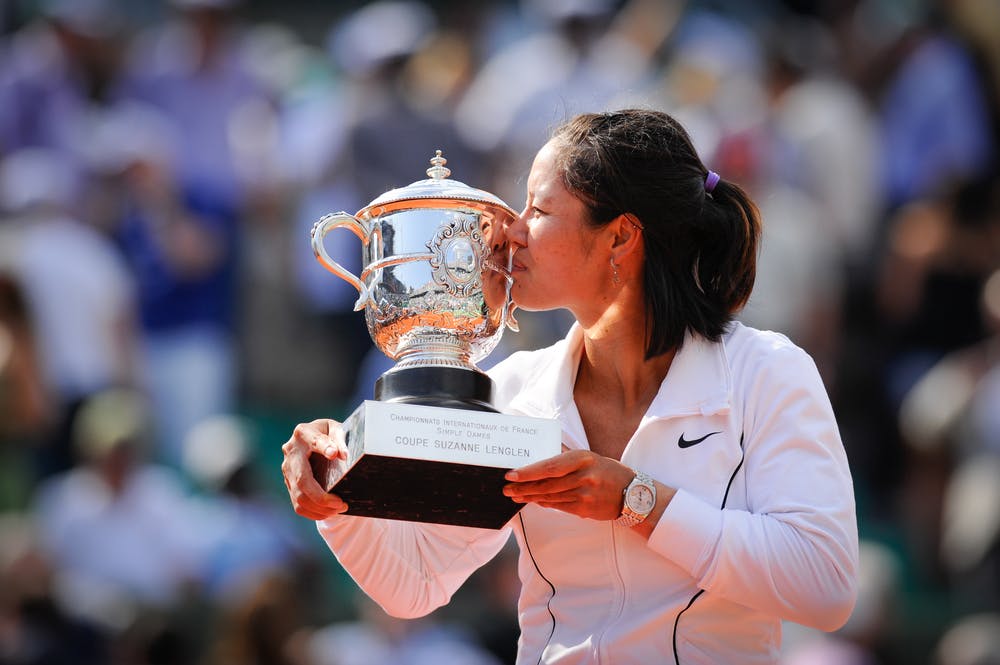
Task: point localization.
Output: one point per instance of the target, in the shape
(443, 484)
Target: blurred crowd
(163, 323)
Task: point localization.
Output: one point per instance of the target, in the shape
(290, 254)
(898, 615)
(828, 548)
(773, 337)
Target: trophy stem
(434, 349)
(450, 387)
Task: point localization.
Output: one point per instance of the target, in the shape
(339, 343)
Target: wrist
(638, 500)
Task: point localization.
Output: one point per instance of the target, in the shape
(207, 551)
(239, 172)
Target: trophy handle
(326, 224)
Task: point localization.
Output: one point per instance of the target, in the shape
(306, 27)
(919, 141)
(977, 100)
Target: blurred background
(163, 324)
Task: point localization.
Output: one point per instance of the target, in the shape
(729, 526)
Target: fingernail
(511, 475)
(330, 451)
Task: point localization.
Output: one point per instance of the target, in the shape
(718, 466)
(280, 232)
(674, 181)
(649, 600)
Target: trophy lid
(439, 186)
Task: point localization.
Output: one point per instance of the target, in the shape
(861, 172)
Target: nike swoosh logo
(685, 443)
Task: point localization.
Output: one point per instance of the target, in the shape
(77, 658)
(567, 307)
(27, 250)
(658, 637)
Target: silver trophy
(435, 288)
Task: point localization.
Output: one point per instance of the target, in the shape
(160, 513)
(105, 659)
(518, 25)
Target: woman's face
(556, 258)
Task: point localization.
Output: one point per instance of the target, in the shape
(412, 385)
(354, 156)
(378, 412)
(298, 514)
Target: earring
(614, 273)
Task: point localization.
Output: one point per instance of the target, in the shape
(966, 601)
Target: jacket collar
(698, 382)
(548, 391)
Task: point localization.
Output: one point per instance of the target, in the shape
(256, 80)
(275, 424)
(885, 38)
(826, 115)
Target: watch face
(640, 499)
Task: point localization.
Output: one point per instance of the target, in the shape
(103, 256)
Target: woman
(704, 494)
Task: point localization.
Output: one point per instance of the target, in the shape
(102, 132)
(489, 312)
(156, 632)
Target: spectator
(77, 288)
(181, 243)
(118, 528)
(191, 69)
(936, 122)
(25, 410)
(40, 628)
(58, 69)
(245, 537)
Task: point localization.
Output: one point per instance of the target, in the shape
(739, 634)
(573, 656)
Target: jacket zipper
(620, 588)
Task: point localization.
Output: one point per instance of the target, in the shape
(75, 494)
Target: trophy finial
(438, 171)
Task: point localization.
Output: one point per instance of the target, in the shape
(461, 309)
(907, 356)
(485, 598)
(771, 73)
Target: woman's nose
(516, 228)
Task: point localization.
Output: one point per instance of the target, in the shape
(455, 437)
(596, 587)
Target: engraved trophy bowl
(435, 285)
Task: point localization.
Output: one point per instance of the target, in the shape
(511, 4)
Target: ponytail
(727, 267)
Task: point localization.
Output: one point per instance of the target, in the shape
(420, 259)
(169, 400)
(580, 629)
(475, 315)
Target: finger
(309, 507)
(304, 443)
(553, 467)
(567, 483)
(542, 499)
(323, 436)
(308, 491)
(318, 514)
(569, 507)
(328, 439)
(327, 502)
(559, 505)
(303, 487)
(309, 504)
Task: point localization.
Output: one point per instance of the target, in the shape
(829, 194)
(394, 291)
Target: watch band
(630, 518)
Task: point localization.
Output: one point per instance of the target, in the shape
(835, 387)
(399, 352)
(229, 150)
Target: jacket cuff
(687, 533)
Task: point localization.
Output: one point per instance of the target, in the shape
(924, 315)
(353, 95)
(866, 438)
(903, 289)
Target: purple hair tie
(711, 180)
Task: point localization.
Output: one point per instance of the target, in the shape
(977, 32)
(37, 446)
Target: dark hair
(701, 247)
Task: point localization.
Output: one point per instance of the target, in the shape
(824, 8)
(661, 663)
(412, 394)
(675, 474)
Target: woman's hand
(579, 482)
(323, 437)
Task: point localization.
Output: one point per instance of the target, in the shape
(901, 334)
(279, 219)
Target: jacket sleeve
(794, 552)
(409, 569)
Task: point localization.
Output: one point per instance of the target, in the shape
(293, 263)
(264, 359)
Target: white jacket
(762, 527)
